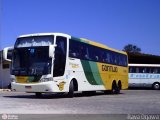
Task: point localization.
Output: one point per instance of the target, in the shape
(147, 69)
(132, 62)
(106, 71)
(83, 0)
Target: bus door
(60, 56)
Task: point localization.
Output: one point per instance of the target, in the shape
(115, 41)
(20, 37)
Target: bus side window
(134, 69)
(158, 70)
(87, 56)
(117, 59)
(141, 69)
(130, 70)
(111, 58)
(151, 70)
(101, 54)
(137, 70)
(120, 60)
(103, 57)
(114, 59)
(93, 53)
(83, 51)
(98, 53)
(145, 70)
(155, 70)
(124, 63)
(74, 49)
(108, 57)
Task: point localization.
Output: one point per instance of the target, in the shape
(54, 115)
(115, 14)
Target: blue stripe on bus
(144, 76)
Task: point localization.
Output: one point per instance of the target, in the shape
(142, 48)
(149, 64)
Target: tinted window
(88, 52)
(155, 70)
(74, 49)
(133, 69)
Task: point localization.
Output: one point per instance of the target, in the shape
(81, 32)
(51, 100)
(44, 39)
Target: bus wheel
(38, 94)
(71, 90)
(156, 86)
(119, 86)
(115, 88)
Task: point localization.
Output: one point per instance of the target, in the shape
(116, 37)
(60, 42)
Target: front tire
(71, 90)
(156, 86)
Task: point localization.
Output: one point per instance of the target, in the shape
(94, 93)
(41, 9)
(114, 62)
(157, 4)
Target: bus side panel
(91, 75)
(87, 75)
(111, 72)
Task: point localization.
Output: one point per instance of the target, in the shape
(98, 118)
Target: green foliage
(130, 48)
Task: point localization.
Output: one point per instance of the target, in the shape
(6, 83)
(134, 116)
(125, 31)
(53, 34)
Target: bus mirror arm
(5, 52)
(51, 50)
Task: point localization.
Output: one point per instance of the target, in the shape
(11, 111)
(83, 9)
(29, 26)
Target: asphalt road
(128, 102)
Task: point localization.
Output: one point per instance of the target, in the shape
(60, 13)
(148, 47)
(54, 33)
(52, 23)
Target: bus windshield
(31, 61)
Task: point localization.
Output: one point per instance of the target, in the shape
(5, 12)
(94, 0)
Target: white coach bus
(5, 61)
(144, 75)
(57, 62)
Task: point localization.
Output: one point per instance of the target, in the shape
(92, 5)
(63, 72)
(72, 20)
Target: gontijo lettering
(109, 68)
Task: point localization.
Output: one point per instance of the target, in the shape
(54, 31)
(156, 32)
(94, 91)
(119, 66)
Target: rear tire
(156, 86)
(115, 89)
(71, 90)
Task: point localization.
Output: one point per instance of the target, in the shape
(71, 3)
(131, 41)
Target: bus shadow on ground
(60, 95)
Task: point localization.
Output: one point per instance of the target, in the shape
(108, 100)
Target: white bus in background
(144, 75)
(5, 61)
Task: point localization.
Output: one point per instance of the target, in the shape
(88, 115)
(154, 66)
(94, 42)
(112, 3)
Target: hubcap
(156, 86)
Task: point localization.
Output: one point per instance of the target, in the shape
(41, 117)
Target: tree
(130, 48)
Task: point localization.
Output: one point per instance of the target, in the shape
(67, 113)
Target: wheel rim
(156, 86)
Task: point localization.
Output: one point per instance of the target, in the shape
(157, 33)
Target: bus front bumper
(43, 87)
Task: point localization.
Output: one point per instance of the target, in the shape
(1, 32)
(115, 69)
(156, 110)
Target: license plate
(28, 87)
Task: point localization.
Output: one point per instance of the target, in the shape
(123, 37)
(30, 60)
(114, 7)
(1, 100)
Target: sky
(114, 23)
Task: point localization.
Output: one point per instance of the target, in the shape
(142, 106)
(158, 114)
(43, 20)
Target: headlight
(46, 79)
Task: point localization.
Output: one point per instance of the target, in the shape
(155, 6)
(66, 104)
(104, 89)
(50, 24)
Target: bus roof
(144, 65)
(79, 39)
(45, 34)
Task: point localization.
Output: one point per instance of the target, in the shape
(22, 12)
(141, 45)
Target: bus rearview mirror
(6, 52)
